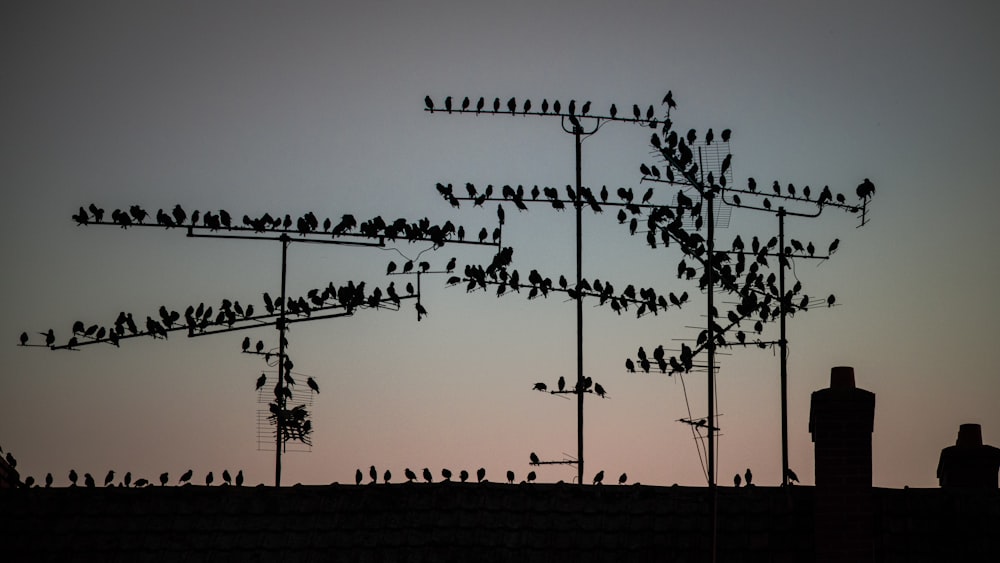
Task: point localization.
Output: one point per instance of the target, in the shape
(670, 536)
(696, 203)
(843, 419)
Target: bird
(409, 474)
(429, 103)
(599, 478)
(209, 479)
(613, 111)
(622, 478)
(246, 344)
(427, 475)
(791, 475)
(463, 475)
(447, 104)
(599, 390)
(88, 480)
(24, 338)
(226, 477)
(73, 477)
(630, 365)
(186, 476)
(866, 189)
(373, 473)
(358, 477)
(312, 384)
(465, 103)
(109, 478)
(140, 483)
(48, 480)
(388, 474)
(669, 100)
(446, 473)
(540, 386)
(480, 474)
(748, 477)
(531, 476)
(737, 480)
(239, 478)
(164, 477)
(261, 381)
(726, 133)
(562, 383)
(534, 458)
(510, 476)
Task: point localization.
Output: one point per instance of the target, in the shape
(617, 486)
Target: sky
(289, 107)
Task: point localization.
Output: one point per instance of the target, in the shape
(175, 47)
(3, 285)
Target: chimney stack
(969, 464)
(841, 420)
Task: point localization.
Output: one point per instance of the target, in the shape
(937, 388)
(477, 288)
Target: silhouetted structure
(841, 420)
(969, 463)
(842, 518)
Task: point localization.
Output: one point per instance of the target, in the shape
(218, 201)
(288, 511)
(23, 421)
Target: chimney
(841, 420)
(969, 464)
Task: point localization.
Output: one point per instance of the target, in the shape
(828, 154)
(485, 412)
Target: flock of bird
(463, 476)
(202, 318)
(525, 107)
(587, 385)
(307, 224)
(126, 480)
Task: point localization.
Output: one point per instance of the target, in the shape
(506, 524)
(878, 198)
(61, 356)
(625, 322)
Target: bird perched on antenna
(866, 189)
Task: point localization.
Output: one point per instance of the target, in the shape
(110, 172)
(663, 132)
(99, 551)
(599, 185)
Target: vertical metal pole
(280, 399)
(578, 204)
(783, 346)
(710, 199)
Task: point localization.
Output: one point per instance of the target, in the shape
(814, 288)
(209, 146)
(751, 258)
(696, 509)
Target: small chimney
(969, 464)
(841, 420)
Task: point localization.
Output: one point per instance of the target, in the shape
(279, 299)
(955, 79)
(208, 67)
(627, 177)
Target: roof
(476, 522)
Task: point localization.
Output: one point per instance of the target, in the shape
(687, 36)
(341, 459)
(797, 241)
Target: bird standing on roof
(387, 476)
(510, 476)
(358, 477)
(73, 477)
(186, 476)
(226, 477)
(109, 478)
(622, 478)
(446, 473)
(463, 475)
(427, 475)
(409, 474)
(737, 480)
(209, 479)
(480, 474)
(599, 478)
(88, 480)
(239, 478)
(48, 480)
(748, 477)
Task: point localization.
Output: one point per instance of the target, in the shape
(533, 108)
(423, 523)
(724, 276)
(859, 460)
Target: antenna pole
(577, 130)
(783, 345)
(280, 399)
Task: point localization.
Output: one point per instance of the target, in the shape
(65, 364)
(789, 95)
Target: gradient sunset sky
(289, 107)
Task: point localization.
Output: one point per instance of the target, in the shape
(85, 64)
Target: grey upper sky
(288, 107)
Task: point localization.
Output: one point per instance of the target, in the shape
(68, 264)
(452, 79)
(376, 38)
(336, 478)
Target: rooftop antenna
(322, 303)
(571, 121)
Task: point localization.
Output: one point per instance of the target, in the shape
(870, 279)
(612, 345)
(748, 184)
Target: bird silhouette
(24, 338)
(792, 477)
(239, 478)
(109, 478)
(48, 480)
(510, 476)
(465, 103)
(186, 476)
(737, 480)
(480, 475)
(164, 477)
(561, 383)
(540, 386)
(88, 480)
(669, 100)
(599, 390)
(387, 476)
(599, 478)
(534, 458)
(409, 474)
(312, 384)
(866, 189)
(630, 365)
(622, 478)
(429, 103)
(480, 104)
(226, 477)
(463, 475)
(373, 473)
(613, 111)
(447, 104)
(427, 475)
(531, 477)
(748, 477)
(358, 477)
(446, 473)
(209, 479)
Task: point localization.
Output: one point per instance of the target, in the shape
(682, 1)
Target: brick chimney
(969, 464)
(841, 420)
